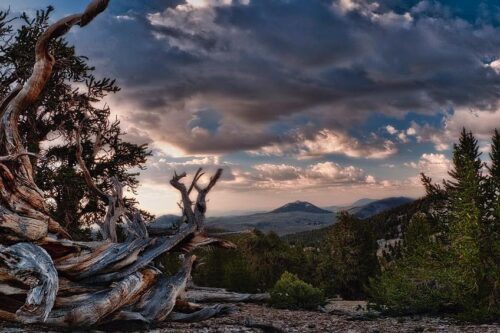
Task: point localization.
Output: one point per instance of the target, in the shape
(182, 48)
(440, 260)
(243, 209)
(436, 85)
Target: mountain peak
(300, 206)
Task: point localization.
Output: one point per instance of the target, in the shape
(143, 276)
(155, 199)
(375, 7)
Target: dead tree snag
(47, 278)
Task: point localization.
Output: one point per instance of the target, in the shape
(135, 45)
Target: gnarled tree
(72, 94)
(45, 277)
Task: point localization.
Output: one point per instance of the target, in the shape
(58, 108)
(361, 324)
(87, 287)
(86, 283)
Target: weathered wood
(158, 302)
(98, 306)
(114, 199)
(213, 295)
(202, 314)
(31, 265)
(47, 278)
(134, 227)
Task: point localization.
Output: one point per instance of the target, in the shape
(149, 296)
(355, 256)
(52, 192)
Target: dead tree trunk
(47, 278)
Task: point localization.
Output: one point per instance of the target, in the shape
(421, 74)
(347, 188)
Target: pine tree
(418, 281)
(351, 257)
(490, 231)
(466, 207)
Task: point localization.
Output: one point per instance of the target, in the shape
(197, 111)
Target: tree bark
(45, 277)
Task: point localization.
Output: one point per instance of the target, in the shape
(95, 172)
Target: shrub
(292, 293)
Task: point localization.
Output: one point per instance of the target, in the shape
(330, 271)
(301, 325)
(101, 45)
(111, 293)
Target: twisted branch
(196, 216)
(28, 94)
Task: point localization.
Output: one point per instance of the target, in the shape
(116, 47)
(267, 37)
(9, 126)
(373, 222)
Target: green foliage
(50, 123)
(452, 264)
(417, 282)
(255, 265)
(350, 257)
(292, 293)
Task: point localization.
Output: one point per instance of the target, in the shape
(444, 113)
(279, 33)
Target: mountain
(362, 202)
(379, 206)
(292, 218)
(288, 219)
(334, 209)
(281, 223)
(300, 206)
(385, 225)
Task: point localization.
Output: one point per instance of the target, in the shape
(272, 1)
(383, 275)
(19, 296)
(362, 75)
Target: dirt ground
(344, 317)
(308, 321)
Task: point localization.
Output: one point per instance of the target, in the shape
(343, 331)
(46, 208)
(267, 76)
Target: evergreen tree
(418, 281)
(490, 231)
(350, 257)
(495, 157)
(70, 99)
(467, 211)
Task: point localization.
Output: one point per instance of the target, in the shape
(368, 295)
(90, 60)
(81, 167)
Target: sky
(322, 101)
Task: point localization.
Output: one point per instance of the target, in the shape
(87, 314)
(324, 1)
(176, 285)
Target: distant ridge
(362, 202)
(300, 206)
(379, 206)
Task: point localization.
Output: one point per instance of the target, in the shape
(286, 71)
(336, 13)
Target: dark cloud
(267, 62)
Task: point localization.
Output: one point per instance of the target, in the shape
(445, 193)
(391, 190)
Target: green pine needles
(451, 265)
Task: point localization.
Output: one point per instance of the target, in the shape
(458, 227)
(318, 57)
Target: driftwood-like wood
(47, 278)
(197, 294)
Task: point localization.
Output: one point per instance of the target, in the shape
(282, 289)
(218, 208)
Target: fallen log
(212, 295)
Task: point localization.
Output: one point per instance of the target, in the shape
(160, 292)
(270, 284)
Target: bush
(292, 293)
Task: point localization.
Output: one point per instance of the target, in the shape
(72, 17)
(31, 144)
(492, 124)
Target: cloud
(371, 10)
(391, 130)
(441, 138)
(433, 165)
(481, 122)
(264, 176)
(329, 142)
(266, 67)
(319, 175)
(400, 135)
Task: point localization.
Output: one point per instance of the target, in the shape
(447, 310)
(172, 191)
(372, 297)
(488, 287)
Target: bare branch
(14, 157)
(86, 173)
(186, 201)
(31, 265)
(201, 204)
(196, 177)
(115, 210)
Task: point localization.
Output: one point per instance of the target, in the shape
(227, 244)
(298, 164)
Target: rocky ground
(343, 316)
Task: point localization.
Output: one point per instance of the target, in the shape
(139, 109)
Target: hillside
(282, 223)
(386, 224)
(374, 207)
(292, 218)
(300, 206)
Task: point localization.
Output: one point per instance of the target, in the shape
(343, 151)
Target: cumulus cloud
(318, 175)
(391, 130)
(402, 135)
(269, 66)
(433, 165)
(263, 176)
(441, 138)
(330, 142)
(481, 122)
